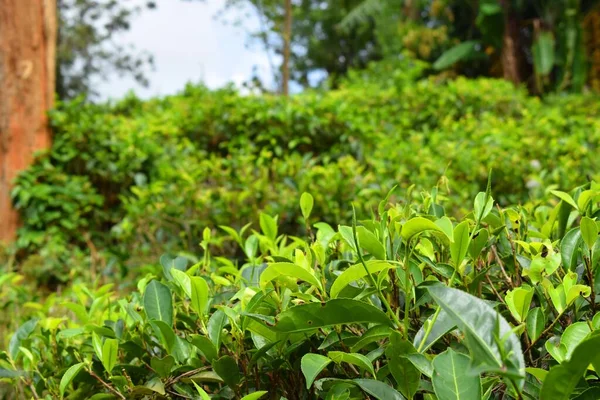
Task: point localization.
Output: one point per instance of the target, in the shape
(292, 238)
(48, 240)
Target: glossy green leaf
(566, 197)
(354, 273)
(569, 248)
(228, 370)
(110, 350)
(68, 377)
(199, 295)
(183, 280)
(201, 392)
(312, 365)
(460, 246)
(478, 242)
(158, 302)
(206, 347)
(216, 323)
(284, 269)
(443, 324)
(518, 301)
(481, 206)
(175, 346)
(369, 242)
(378, 332)
(536, 322)
(417, 225)
(405, 373)
(268, 226)
(451, 379)
(446, 226)
(162, 366)
(356, 359)
(311, 316)
(490, 338)
(562, 379)
(378, 390)
(255, 395)
(20, 335)
(589, 231)
(306, 204)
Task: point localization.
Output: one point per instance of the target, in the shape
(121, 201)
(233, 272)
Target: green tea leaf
(255, 395)
(216, 323)
(569, 248)
(373, 334)
(450, 379)
(68, 377)
(490, 338)
(566, 197)
(306, 204)
(206, 346)
(460, 246)
(199, 295)
(405, 373)
(312, 365)
(536, 322)
(562, 379)
(228, 370)
(284, 269)
(183, 280)
(354, 273)
(417, 225)
(518, 301)
(158, 302)
(311, 316)
(378, 390)
(110, 349)
(352, 358)
(589, 231)
(369, 242)
(481, 207)
(443, 324)
(20, 335)
(162, 366)
(268, 226)
(201, 392)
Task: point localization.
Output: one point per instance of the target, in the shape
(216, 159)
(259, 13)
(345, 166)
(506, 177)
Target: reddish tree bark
(27, 82)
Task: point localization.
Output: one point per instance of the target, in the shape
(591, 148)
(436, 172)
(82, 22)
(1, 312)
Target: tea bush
(127, 181)
(411, 303)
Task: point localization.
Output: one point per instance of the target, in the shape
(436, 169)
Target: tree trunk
(510, 45)
(27, 79)
(287, 39)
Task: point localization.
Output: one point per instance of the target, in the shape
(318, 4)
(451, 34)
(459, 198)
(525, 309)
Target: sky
(190, 45)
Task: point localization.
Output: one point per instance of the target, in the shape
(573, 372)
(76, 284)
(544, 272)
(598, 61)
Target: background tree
(319, 47)
(27, 65)
(88, 49)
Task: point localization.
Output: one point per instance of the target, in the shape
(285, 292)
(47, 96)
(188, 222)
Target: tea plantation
(397, 238)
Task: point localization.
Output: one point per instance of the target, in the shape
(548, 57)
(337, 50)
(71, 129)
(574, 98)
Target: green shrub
(137, 178)
(409, 303)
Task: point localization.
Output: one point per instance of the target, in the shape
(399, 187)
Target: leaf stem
(371, 279)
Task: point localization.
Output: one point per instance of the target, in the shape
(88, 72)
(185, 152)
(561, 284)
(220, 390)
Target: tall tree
(287, 44)
(318, 46)
(27, 68)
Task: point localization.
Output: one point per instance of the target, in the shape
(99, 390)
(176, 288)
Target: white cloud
(189, 44)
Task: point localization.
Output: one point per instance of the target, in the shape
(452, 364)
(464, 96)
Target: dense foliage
(125, 182)
(500, 304)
